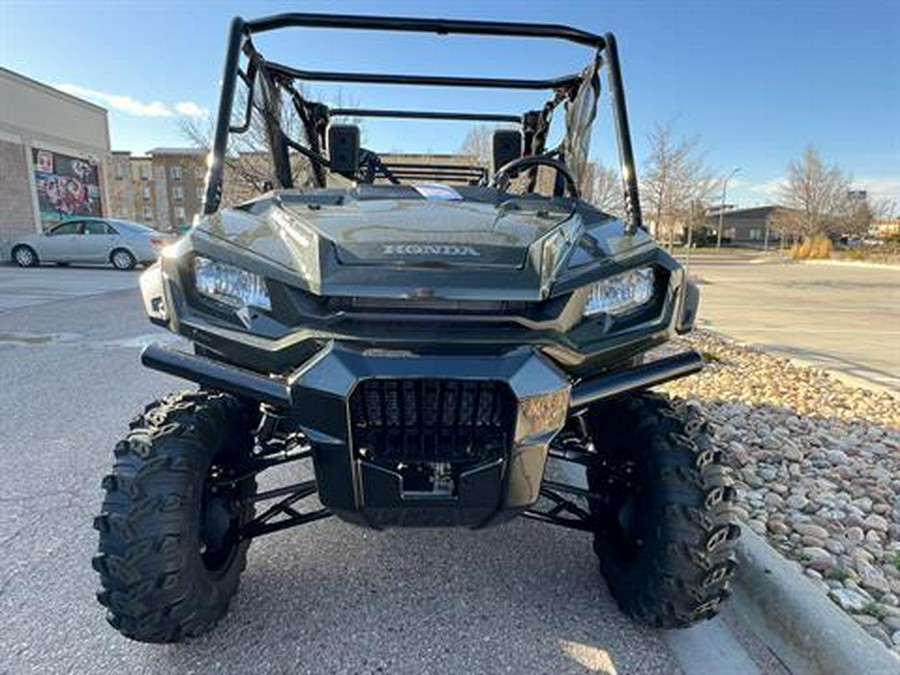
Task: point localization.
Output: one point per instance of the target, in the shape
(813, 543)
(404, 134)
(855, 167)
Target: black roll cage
(314, 116)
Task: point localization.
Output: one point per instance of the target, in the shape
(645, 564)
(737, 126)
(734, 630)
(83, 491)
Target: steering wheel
(507, 171)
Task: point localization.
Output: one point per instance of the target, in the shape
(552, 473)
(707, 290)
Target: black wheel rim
(622, 518)
(219, 521)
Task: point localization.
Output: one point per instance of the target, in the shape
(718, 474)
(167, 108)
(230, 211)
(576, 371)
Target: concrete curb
(845, 378)
(793, 618)
(853, 263)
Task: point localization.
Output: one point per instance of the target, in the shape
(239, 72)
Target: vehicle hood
(429, 232)
(386, 242)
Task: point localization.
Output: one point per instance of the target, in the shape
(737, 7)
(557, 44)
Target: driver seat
(506, 145)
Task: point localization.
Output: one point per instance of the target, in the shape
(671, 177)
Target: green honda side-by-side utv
(428, 336)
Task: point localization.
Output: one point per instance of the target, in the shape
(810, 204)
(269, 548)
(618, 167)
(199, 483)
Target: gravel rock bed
(816, 465)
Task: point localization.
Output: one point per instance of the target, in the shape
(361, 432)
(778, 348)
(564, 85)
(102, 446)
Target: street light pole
(722, 208)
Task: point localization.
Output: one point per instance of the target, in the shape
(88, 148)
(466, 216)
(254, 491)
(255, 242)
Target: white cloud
(769, 188)
(190, 109)
(880, 188)
(121, 102)
(131, 105)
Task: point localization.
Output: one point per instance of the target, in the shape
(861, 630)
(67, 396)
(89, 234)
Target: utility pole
(722, 209)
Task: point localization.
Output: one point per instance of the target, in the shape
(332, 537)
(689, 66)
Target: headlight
(230, 285)
(621, 293)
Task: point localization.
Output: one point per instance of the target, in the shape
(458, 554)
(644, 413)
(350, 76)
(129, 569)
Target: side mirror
(506, 145)
(343, 148)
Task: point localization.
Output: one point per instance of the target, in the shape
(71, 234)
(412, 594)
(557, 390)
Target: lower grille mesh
(431, 420)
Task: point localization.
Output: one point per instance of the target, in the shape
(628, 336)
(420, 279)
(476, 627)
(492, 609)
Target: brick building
(54, 157)
(163, 188)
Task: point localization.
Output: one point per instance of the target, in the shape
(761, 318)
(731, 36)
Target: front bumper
(386, 452)
(532, 396)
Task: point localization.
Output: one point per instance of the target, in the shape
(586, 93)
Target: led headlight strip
(230, 285)
(621, 293)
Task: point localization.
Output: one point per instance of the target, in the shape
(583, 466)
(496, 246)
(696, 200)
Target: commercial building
(745, 227)
(54, 155)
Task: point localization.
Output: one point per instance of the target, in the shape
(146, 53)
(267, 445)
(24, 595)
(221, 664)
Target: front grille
(425, 305)
(431, 420)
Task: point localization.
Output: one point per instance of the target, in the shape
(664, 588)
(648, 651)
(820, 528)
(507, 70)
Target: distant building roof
(177, 151)
(751, 212)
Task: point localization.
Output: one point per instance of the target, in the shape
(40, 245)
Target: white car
(121, 243)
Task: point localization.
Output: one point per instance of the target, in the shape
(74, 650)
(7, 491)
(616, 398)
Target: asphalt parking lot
(24, 288)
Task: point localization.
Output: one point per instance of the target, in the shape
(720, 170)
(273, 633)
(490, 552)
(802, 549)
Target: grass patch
(838, 573)
(895, 560)
(874, 609)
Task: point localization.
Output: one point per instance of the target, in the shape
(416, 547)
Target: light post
(722, 208)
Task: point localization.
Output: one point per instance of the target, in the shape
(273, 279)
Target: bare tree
(607, 193)
(676, 179)
(865, 211)
(817, 200)
(249, 169)
(811, 197)
(477, 143)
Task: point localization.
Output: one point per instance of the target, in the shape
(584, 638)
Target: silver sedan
(121, 243)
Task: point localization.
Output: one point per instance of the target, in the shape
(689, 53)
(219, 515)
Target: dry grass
(812, 248)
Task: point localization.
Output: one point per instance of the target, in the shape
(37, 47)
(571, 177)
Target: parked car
(121, 243)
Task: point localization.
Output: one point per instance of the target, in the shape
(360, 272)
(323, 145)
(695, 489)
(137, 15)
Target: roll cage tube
(239, 41)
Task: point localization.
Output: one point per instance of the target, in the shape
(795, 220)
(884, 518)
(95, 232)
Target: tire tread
(682, 573)
(153, 582)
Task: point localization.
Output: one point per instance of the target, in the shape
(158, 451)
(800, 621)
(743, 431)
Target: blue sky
(757, 80)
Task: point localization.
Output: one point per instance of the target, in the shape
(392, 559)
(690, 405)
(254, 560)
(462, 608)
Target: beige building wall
(121, 188)
(34, 115)
(17, 212)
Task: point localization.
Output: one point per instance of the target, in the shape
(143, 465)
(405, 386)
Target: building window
(146, 193)
(178, 193)
(176, 173)
(145, 172)
(148, 213)
(120, 171)
(755, 234)
(179, 213)
(200, 193)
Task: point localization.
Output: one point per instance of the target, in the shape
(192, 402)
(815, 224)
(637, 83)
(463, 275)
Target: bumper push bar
(277, 391)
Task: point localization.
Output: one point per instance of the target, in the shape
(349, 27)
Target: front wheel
(170, 552)
(664, 528)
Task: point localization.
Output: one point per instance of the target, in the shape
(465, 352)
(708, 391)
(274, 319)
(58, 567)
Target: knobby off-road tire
(169, 560)
(665, 532)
